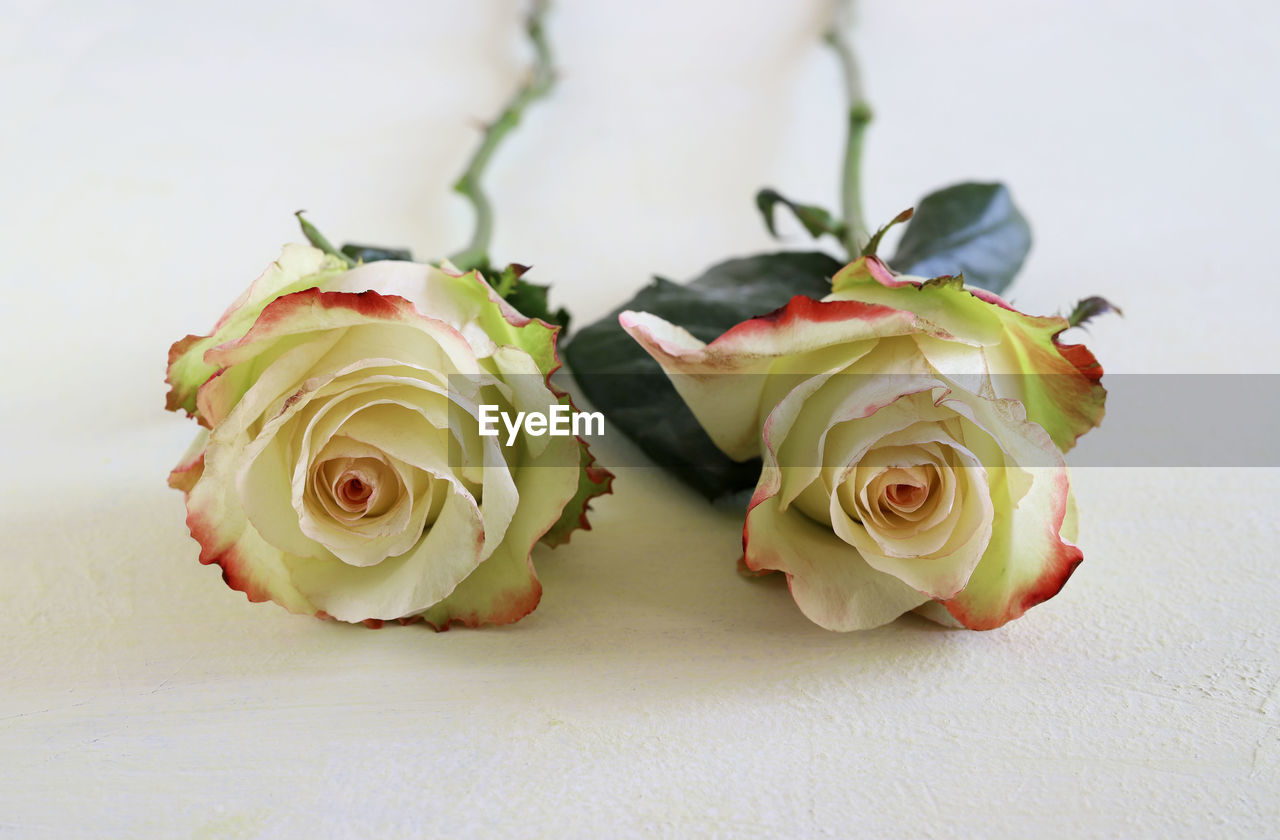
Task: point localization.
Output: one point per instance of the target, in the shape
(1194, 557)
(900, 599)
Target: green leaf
(869, 250)
(970, 229)
(316, 238)
(375, 253)
(815, 219)
(530, 299)
(1090, 308)
(620, 379)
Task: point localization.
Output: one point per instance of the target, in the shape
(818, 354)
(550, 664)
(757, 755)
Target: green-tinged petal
(298, 267)
(1063, 398)
(593, 481)
(505, 588)
(1030, 555)
(462, 300)
(1027, 562)
(721, 381)
(1058, 385)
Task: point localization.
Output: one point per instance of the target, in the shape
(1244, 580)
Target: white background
(151, 154)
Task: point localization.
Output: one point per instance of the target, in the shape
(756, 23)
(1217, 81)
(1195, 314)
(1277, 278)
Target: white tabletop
(150, 159)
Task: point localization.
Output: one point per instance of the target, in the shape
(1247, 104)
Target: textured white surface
(150, 156)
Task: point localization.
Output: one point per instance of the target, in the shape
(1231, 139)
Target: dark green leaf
(531, 300)
(374, 253)
(620, 379)
(1089, 308)
(815, 219)
(970, 229)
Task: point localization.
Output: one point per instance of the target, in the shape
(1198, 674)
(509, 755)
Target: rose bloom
(911, 433)
(341, 472)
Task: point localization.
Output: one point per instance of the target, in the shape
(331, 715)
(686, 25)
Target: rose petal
(830, 582)
(505, 588)
(372, 541)
(191, 465)
(217, 521)
(730, 408)
(463, 300)
(397, 586)
(1058, 386)
(1029, 558)
(796, 430)
(298, 267)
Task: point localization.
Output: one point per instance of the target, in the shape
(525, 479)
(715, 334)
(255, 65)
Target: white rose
(342, 472)
(907, 430)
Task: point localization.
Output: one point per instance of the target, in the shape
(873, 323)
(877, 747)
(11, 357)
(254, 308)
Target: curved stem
(537, 85)
(856, 233)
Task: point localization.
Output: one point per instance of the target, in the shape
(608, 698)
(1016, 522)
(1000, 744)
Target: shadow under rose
(138, 663)
(109, 585)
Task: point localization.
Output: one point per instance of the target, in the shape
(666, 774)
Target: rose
(341, 471)
(911, 435)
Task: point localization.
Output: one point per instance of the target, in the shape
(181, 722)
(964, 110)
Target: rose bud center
(352, 488)
(354, 492)
(898, 497)
(906, 497)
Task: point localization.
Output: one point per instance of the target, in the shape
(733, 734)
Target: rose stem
(855, 226)
(537, 85)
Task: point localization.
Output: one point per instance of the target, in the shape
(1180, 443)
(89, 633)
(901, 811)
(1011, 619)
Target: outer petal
(731, 408)
(249, 563)
(1058, 384)
(310, 323)
(1030, 556)
(191, 467)
(464, 301)
(298, 267)
(593, 481)
(505, 588)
